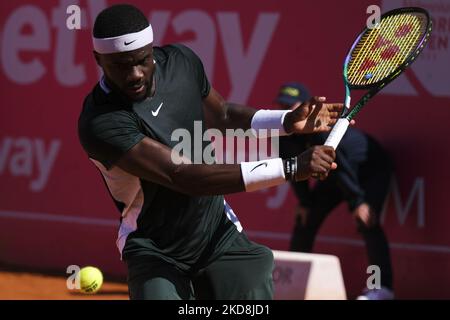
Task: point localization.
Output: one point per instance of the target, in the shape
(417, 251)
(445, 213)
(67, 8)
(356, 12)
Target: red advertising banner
(55, 210)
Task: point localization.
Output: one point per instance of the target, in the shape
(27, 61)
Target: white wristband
(262, 174)
(265, 120)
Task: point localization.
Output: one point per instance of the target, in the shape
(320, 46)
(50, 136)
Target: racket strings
(397, 52)
(366, 55)
(382, 50)
(407, 35)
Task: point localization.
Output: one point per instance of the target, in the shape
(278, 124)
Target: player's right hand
(316, 162)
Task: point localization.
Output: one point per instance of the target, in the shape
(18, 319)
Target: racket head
(379, 55)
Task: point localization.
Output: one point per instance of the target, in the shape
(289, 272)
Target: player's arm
(155, 162)
(312, 116)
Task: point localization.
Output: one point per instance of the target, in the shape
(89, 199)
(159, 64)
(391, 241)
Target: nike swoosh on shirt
(155, 113)
(259, 165)
(128, 43)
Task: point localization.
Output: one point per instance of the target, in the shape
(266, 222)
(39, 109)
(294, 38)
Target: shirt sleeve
(108, 136)
(198, 69)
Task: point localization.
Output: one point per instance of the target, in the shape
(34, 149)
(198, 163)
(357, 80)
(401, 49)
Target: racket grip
(337, 133)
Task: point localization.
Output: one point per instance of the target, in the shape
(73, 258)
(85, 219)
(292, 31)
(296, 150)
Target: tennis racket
(378, 56)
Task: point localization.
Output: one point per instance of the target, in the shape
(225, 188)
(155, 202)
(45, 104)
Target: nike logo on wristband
(259, 165)
(128, 43)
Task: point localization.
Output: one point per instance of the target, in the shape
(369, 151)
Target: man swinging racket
(177, 234)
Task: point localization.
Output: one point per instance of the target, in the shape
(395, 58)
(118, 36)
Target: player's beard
(126, 94)
(147, 90)
(138, 93)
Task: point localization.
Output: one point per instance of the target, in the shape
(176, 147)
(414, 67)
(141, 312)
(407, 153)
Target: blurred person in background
(362, 180)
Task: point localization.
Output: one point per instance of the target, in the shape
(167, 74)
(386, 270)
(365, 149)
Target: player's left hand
(312, 116)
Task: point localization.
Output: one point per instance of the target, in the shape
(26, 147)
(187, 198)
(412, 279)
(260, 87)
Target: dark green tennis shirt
(185, 230)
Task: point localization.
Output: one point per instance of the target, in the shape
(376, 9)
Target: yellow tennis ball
(91, 279)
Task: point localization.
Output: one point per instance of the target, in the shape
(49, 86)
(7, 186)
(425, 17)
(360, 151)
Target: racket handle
(337, 133)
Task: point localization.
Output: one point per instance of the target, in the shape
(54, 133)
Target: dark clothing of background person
(363, 175)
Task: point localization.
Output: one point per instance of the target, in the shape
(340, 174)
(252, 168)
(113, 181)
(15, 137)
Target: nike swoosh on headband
(128, 43)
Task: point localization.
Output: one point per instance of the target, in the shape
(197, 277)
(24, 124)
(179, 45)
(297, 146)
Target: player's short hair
(118, 20)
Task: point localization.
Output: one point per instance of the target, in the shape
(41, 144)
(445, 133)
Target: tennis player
(177, 235)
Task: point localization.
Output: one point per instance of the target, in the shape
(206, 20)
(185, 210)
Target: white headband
(126, 42)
